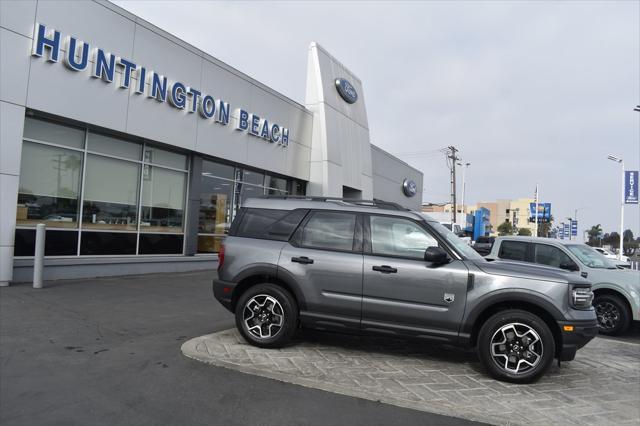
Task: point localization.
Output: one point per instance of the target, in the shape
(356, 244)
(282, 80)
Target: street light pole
(619, 160)
(464, 184)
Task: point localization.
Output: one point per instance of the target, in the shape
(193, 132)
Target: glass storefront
(223, 189)
(103, 195)
(97, 194)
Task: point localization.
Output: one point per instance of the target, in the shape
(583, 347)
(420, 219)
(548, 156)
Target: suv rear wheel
(516, 346)
(267, 316)
(613, 314)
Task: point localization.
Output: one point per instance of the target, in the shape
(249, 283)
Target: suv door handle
(385, 269)
(303, 259)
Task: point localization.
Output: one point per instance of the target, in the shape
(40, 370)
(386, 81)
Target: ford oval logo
(409, 188)
(346, 90)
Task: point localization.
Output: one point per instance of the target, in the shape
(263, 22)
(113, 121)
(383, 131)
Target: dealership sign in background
(544, 212)
(631, 187)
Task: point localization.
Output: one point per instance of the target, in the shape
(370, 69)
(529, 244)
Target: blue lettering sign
(142, 78)
(158, 87)
(195, 94)
(264, 132)
(126, 72)
(275, 133)
(223, 112)
(285, 137)
(104, 65)
(255, 124)
(207, 107)
(71, 44)
(243, 120)
(631, 187)
(178, 96)
(41, 40)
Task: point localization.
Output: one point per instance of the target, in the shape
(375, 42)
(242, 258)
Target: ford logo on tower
(409, 188)
(346, 90)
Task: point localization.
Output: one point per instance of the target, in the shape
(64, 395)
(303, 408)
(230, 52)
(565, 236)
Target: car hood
(627, 277)
(529, 271)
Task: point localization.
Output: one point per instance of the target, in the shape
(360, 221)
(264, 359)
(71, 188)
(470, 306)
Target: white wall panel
(18, 16)
(11, 128)
(14, 66)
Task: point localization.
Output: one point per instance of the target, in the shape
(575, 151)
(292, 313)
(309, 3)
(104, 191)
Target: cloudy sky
(537, 91)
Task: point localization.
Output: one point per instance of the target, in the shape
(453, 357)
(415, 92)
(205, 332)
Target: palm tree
(594, 234)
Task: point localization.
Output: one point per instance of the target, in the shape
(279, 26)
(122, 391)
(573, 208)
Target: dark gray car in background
(374, 267)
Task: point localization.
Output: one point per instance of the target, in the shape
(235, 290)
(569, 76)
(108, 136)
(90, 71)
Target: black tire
(265, 331)
(536, 347)
(613, 314)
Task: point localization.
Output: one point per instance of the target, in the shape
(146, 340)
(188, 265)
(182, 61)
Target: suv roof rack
(387, 205)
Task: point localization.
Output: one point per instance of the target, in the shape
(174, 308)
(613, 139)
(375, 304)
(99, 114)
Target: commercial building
(136, 149)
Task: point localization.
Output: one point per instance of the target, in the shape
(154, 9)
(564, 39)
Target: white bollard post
(38, 256)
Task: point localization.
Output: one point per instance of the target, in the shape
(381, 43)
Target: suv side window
(513, 250)
(268, 224)
(396, 236)
(330, 231)
(550, 255)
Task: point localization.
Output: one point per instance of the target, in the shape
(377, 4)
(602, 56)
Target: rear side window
(268, 224)
(549, 255)
(513, 250)
(330, 231)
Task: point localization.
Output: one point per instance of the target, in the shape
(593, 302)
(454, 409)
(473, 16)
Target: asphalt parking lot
(108, 351)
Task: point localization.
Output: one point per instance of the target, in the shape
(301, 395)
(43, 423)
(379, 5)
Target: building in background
(136, 149)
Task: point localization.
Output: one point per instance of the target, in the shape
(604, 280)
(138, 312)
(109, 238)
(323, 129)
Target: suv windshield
(459, 245)
(590, 257)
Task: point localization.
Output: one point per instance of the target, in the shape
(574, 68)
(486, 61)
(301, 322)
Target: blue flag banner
(631, 187)
(574, 228)
(567, 230)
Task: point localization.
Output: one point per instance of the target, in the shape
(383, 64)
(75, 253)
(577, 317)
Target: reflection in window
(111, 194)
(116, 147)
(47, 131)
(209, 243)
(49, 186)
(399, 237)
(275, 185)
(163, 193)
(332, 231)
(163, 157)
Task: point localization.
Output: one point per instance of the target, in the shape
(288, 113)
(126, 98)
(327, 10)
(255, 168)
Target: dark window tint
(513, 250)
(484, 240)
(102, 243)
(328, 230)
(57, 243)
(160, 244)
(549, 255)
(269, 224)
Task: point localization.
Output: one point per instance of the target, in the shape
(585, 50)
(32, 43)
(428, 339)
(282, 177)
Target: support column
(193, 206)
(11, 128)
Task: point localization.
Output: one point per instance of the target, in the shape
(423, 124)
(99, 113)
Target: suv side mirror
(436, 255)
(569, 266)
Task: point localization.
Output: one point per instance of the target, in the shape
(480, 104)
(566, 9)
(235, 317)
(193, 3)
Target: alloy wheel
(263, 316)
(516, 348)
(608, 315)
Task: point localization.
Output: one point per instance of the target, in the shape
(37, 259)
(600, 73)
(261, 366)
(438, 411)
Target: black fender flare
(501, 296)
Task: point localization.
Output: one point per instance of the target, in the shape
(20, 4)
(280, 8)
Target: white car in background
(609, 255)
(456, 229)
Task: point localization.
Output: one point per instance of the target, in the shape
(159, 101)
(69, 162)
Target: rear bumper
(223, 292)
(583, 332)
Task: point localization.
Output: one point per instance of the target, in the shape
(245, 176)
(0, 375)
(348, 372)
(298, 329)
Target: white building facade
(136, 149)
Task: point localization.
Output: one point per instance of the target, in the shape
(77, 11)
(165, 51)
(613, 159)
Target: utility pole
(452, 156)
(536, 212)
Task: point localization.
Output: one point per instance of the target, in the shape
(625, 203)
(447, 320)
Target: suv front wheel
(267, 316)
(516, 346)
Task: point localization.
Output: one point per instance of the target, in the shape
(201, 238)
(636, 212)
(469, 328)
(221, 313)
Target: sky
(528, 91)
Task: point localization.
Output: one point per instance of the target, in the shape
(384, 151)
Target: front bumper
(583, 332)
(223, 292)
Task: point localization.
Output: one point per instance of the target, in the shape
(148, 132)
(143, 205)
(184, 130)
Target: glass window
(209, 243)
(163, 157)
(56, 243)
(393, 236)
(163, 193)
(276, 185)
(112, 146)
(47, 131)
(250, 191)
(513, 250)
(298, 187)
(329, 230)
(105, 243)
(269, 224)
(111, 194)
(160, 244)
(49, 186)
(590, 257)
(216, 198)
(551, 256)
(249, 176)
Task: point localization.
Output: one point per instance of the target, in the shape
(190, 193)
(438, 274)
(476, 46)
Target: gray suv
(374, 267)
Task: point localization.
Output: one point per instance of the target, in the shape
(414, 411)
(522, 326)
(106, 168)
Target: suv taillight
(221, 257)
(581, 297)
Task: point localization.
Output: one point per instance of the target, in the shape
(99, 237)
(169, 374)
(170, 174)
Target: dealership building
(136, 149)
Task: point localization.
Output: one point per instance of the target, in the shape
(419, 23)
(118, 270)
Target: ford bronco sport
(375, 267)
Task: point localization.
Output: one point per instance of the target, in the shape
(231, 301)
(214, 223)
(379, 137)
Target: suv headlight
(581, 297)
